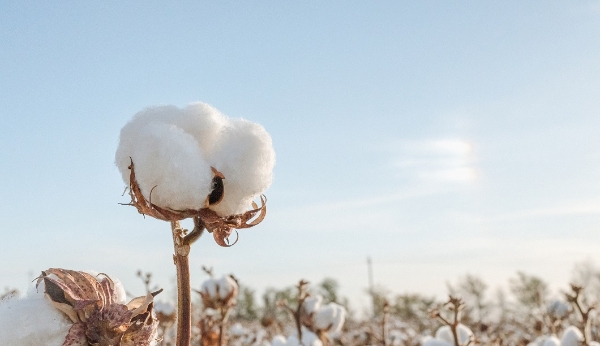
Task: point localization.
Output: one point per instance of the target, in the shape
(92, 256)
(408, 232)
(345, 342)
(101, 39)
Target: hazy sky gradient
(440, 138)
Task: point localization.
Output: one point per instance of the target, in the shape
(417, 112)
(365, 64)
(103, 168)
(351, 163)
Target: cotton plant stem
(222, 336)
(184, 292)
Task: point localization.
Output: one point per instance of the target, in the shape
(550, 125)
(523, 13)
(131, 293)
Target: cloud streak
(437, 160)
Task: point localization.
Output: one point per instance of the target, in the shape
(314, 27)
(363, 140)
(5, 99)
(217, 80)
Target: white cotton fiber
(445, 334)
(572, 336)
(219, 288)
(429, 341)
(243, 153)
(311, 304)
(278, 340)
(32, 321)
(551, 341)
(174, 149)
(330, 317)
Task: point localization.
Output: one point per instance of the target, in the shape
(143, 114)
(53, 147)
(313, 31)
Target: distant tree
(413, 308)
(272, 315)
(245, 308)
(379, 299)
(329, 288)
(531, 293)
(471, 289)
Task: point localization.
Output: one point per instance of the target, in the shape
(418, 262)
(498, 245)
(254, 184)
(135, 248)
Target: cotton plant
(444, 336)
(195, 163)
(218, 297)
(453, 333)
(72, 308)
(572, 336)
(325, 320)
(166, 315)
(575, 297)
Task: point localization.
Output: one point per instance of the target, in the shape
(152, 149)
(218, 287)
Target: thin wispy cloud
(437, 160)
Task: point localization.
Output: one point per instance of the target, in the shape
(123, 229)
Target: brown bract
(220, 226)
(98, 319)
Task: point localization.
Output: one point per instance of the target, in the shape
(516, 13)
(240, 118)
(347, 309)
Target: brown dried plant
(575, 298)
(98, 319)
(297, 313)
(215, 324)
(455, 305)
(204, 218)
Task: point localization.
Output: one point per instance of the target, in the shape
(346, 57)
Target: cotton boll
(173, 150)
(237, 330)
(174, 176)
(537, 341)
(32, 321)
(572, 336)
(204, 123)
(551, 341)
(330, 318)
(279, 340)
(464, 333)
(227, 286)
(310, 339)
(217, 293)
(435, 342)
(244, 154)
(311, 304)
(209, 287)
(168, 160)
(445, 334)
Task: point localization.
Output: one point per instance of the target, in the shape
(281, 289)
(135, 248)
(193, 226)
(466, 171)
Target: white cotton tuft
(435, 342)
(219, 288)
(174, 149)
(330, 317)
(244, 154)
(572, 336)
(312, 304)
(445, 334)
(227, 285)
(278, 340)
(237, 330)
(32, 321)
(551, 341)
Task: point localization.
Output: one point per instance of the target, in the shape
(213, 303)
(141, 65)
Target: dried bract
(220, 226)
(97, 315)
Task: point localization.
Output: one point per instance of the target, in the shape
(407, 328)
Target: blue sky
(439, 138)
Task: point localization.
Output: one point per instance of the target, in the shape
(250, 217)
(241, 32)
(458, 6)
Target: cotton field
(65, 307)
(196, 163)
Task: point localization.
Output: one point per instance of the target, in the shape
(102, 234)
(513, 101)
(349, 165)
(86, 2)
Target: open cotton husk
(220, 226)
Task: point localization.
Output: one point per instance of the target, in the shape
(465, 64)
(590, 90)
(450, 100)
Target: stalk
(184, 291)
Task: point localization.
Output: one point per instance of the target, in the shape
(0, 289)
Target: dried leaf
(76, 336)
